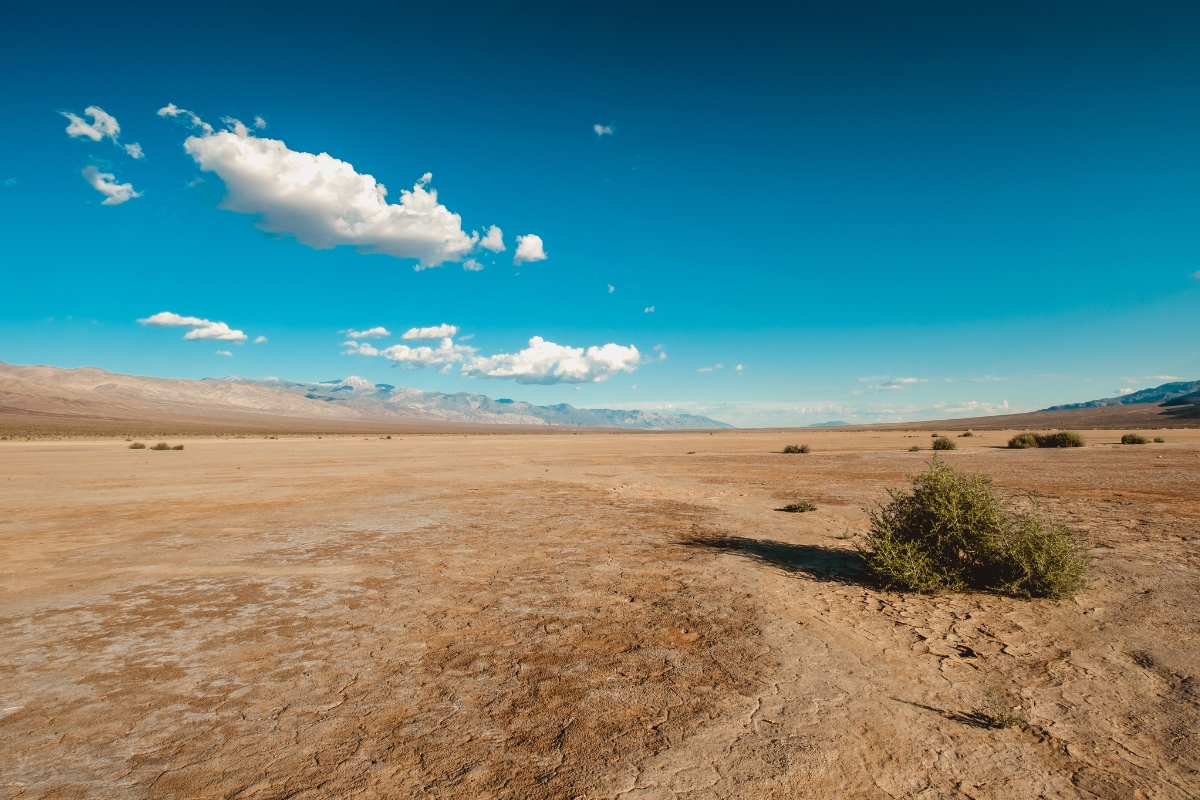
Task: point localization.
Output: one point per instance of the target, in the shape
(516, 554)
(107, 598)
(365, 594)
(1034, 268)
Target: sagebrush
(944, 443)
(951, 532)
(1057, 439)
(799, 508)
(797, 448)
(1133, 438)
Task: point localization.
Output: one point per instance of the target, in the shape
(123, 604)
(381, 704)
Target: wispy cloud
(260, 340)
(605, 130)
(106, 184)
(201, 329)
(103, 126)
(648, 310)
(713, 368)
(225, 353)
(889, 385)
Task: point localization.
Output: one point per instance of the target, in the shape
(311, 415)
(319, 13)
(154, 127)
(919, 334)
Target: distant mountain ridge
(90, 393)
(381, 399)
(1159, 394)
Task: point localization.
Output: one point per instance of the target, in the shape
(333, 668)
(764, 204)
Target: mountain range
(89, 393)
(1164, 394)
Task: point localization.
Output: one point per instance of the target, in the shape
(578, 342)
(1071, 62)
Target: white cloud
(377, 332)
(103, 125)
(200, 328)
(1125, 391)
(359, 349)
(106, 184)
(260, 123)
(611, 288)
(546, 362)
(712, 368)
(445, 355)
(529, 248)
(260, 340)
(603, 130)
(225, 353)
(471, 265)
(662, 352)
(1151, 378)
(891, 385)
(738, 368)
(493, 240)
(322, 201)
(442, 331)
(648, 310)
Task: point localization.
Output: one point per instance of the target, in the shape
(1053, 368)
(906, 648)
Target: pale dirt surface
(576, 615)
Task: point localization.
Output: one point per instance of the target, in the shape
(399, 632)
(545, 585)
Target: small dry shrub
(966, 435)
(161, 446)
(799, 508)
(951, 532)
(944, 443)
(1133, 438)
(177, 447)
(1059, 439)
(796, 448)
(137, 446)
(1159, 440)
(995, 714)
(1023, 441)
(916, 448)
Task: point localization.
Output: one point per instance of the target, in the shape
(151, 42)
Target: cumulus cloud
(102, 126)
(322, 201)
(201, 329)
(493, 240)
(444, 356)
(546, 362)
(106, 184)
(1125, 391)
(260, 340)
(432, 333)
(359, 349)
(377, 332)
(529, 248)
(260, 123)
(603, 130)
(471, 265)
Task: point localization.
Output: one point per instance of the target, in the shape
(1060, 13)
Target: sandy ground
(581, 615)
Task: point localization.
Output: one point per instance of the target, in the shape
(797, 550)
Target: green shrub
(1159, 440)
(1059, 439)
(799, 508)
(137, 446)
(952, 532)
(1041, 558)
(1133, 438)
(796, 448)
(161, 446)
(1023, 441)
(944, 443)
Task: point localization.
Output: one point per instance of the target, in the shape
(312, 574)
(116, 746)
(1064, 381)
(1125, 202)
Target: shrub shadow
(824, 563)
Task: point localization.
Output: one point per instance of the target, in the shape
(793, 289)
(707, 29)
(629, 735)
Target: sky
(772, 216)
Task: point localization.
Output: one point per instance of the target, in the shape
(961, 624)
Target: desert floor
(577, 615)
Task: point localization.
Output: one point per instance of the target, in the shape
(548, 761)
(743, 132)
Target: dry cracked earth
(577, 616)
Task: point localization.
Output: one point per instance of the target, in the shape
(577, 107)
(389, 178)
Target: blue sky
(880, 211)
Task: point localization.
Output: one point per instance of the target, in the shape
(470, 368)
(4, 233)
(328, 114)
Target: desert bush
(161, 446)
(1059, 439)
(966, 435)
(1159, 440)
(1023, 441)
(1133, 438)
(796, 448)
(177, 447)
(137, 446)
(799, 508)
(916, 448)
(995, 714)
(944, 443)
(1041, 558)
(951, 532)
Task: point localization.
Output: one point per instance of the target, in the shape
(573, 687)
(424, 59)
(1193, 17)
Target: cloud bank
(324, 202)
(201, 329)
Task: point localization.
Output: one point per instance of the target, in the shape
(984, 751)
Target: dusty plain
(589, 615)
